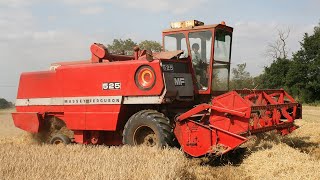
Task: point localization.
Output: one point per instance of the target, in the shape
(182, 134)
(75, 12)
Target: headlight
(145, 77)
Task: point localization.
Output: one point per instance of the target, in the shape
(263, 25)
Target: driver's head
(195, 47)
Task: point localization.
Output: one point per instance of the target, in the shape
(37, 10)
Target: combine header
(233, 116)
(156, 99)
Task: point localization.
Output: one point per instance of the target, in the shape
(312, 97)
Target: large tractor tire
(150, 128)
(60, 139)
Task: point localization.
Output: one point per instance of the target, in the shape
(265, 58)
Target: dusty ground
(296, 156)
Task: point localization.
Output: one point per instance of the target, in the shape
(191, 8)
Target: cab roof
(196, 28)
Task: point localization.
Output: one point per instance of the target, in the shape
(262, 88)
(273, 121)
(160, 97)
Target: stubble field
(270, 156)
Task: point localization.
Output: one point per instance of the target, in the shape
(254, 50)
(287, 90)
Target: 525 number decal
(111, 86)
(167, 67)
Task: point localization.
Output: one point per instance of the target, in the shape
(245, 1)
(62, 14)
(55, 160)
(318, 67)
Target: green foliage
(300, 75)
(126, 46)
(154, 46)
(274, 76)
(304, 73)
(241, 78)
(120, 46)
(5, 104)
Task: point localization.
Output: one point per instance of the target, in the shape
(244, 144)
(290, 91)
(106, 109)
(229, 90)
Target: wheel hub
(144, 135)
(150, 140)
(58, 141)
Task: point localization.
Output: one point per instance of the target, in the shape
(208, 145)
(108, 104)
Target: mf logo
(179, 81)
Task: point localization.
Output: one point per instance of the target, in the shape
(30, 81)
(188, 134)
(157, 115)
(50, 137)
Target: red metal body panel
(79, 137)
(39, 85)
(223, 126)
(83, 80)
(75, 120)
(87, 79)
(106, 121)
(102, 121)
(198, 139)
(41, 109)
(27, 121)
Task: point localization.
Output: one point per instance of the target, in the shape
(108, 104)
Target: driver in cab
(199, 66)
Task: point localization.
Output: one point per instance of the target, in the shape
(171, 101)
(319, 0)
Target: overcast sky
(36, 33)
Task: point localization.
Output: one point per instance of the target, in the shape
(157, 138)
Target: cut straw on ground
(268, 156)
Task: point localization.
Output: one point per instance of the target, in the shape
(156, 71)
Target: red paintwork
(27, 121)
(199, 108)
(214, 128)
(232, 117)
(198, 139)
(91, 120)
(86, 80)
(82, 80)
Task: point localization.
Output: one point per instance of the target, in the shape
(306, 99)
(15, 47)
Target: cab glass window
(175, 42)
(220, 77)
(201, 49)
(222, 45)
(221, 66)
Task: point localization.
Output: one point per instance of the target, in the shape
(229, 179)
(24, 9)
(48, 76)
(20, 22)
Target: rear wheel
(60, 139)
(50, 127)
(148, 127)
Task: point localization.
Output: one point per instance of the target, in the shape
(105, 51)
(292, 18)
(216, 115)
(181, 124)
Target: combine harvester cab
(224, 125)
(153, 99)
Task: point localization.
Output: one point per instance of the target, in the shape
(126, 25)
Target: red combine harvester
(157, 99)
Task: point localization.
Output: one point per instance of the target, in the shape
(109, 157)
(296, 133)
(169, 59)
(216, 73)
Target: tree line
(5, 104)
(125, 47)
(299, 75)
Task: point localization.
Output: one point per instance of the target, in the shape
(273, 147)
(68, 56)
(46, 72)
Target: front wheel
(150, 128)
